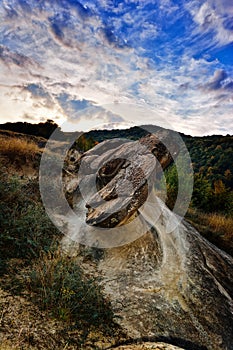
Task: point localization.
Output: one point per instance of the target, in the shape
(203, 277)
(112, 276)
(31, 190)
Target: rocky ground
(24, 327)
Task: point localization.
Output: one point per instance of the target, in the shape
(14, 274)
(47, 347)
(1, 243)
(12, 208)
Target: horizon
(117, 129)
(79, 62)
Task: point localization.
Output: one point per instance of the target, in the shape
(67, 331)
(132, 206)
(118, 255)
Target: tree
(202, 193)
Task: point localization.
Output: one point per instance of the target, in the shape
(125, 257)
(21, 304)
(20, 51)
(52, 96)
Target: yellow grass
(14, 148)
(9, 347)
(220, 223)
(218, 228)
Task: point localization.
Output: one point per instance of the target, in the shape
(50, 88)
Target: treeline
(41, 129)
(211, 158)
(212, 164)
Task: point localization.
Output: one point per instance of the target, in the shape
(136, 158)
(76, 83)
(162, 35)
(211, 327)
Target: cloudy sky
(116, 62)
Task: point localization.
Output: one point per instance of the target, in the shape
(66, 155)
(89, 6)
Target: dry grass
(220, 223)
(217, 228)
(8, 347)
(14, 148)
(60, 287)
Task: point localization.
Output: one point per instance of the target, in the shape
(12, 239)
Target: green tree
(202, 193)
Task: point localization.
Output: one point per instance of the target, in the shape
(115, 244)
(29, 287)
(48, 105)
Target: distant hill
(40, 129)
(211, 155)
(44, 130)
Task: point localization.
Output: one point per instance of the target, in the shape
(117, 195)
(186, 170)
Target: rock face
(164, 284)
(122, 173)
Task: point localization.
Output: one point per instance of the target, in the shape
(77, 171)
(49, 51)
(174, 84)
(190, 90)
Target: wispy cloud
(212, 18)
(68, 60)
(219, 82)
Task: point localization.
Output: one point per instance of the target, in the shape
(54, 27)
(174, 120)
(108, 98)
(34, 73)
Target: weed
(25, 229)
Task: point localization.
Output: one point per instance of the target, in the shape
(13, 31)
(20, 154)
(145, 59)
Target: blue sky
(101, 63)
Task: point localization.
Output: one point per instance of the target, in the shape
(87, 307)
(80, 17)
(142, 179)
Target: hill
(39, 293)
(211, 207)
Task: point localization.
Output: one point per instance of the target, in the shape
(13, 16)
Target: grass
(217, 228)
(19, 149)
(32, 267)
(25, 229)
(59, 286)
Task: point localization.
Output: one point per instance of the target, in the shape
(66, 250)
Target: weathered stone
(169, 284)
(124, 173)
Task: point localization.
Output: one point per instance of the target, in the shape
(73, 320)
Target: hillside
(211, 155)
(39, 293)
(211, 207)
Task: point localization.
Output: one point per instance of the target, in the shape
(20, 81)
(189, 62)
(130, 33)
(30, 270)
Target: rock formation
(164, 284)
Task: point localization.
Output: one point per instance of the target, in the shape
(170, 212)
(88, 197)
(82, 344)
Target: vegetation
(213, 168)
(41, 129)
(19, 149)
(32, 266)
(212, 158)
(208, 195)
(84, 143)
(25, 229)
(60, 287)
(215, 227)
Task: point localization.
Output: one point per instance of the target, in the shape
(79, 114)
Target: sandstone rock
(125, 171)
(167, 282)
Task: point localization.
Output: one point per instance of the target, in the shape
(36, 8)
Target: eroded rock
(168, 281)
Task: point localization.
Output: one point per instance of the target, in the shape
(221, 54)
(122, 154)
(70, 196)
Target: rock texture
(164, 284)
(123, 174)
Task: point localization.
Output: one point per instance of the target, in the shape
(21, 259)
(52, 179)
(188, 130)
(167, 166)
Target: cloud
(216, 82)
(10, 58)
(78, 111)
(89, 116)
(69, 59)
(219, 81)
(212, 19)
(31, 118)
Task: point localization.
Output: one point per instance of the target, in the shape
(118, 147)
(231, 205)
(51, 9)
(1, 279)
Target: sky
(116, 63)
